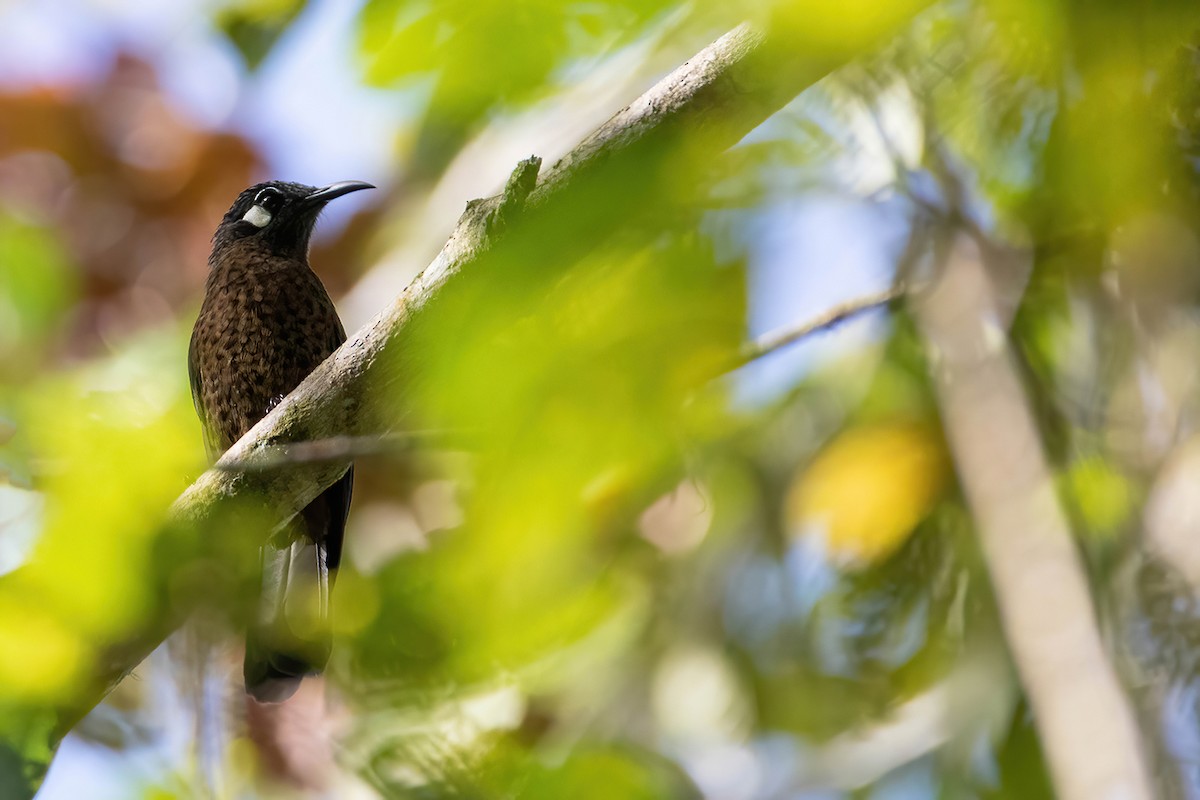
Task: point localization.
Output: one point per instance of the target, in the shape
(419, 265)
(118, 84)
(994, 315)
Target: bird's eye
(266, 203)
(269, 199)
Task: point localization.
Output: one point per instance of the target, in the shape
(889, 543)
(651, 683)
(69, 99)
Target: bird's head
(280, 215)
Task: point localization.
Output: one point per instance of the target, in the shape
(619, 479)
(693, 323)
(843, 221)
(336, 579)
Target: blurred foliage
(254, 27)
(110, 445)
(119, 437)
(866, 492)
(39, 287)
(451, 44)
(1104, 498)
(625, 581)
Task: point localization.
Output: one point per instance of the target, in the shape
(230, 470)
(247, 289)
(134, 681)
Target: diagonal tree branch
(700, 109)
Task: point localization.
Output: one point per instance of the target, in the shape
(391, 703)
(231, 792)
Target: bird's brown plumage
(265, 324)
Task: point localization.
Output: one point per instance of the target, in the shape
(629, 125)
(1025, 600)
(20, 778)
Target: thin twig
(336, 449)
(782, 337)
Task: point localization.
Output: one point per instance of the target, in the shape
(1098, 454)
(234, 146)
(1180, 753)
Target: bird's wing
(337, 497)
(211, 445)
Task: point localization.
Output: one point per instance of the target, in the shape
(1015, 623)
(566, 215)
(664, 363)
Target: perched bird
(265, 324)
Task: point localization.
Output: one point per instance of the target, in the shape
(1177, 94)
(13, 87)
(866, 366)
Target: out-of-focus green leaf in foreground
(253, 26)
(463, 40)
(115, 443)
(37, 285)
(573, 391)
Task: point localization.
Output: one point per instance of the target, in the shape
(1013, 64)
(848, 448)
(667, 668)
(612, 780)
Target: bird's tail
(289, 636)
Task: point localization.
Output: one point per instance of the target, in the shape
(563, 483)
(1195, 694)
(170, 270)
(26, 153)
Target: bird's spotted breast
(258, 336)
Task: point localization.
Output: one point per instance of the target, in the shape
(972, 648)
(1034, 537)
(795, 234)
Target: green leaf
(254, 26)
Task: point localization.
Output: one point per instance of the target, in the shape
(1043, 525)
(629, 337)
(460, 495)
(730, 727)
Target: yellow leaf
(868, 489)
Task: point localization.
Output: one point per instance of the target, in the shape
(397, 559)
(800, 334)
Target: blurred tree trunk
(1088, 730)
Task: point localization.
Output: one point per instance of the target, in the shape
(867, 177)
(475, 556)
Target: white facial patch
(258, 216)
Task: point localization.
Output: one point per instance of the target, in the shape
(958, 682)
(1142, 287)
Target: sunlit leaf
(118, 440)
(866, 491)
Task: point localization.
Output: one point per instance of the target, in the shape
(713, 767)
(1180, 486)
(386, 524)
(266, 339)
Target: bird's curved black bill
(335, 190)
